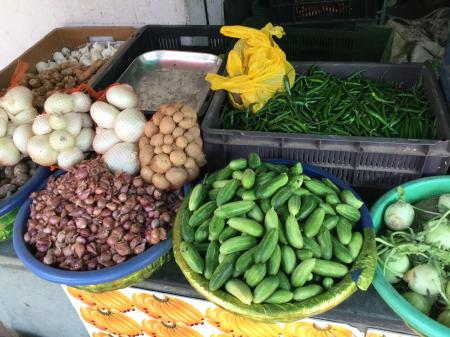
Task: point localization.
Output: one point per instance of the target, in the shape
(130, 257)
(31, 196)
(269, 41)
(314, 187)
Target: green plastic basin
(415, 191)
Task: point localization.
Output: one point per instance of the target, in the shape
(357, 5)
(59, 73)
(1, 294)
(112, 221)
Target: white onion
(61, 140)
(73, 123)
(84, 139)
(444, 202)
(21, 136)
(41, 152)
(86, 120)
(3, 114)
(129, 125)
(399, 215)
(81, 102)
(59, 103)
(123, 157)
(57, 121)
(25, 116)
(9, 154)
(122, 96)
(11, 128)
(424, 279)
(17, 99)
(69, 158)
(104, 114)
(3, 127)
(41, 125)
(104, 140)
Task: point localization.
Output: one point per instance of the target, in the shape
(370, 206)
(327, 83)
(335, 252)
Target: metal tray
(167, 76)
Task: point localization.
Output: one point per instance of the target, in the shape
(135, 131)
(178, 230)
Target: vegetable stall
(240, 210)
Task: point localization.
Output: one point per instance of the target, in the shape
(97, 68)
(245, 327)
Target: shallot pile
(90, 218)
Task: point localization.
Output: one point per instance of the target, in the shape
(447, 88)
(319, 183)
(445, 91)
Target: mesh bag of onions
(90, 218)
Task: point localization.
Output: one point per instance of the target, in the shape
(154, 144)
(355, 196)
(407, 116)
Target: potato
(194, 131)
(177, 176)
(157, 140)
(189, 163)
(146, 154)
(201, 160)
(163, 108)
(166, 148)
(160, 181)
(160, 163)
(168, 139)
(177, 132)
(178, 117)
(171, 110)
(157, 150)
(194, 150)
(150, 129)
(189, 112)
(198, 141)
(181, 142)
(147, 174)
(189, 137)
(192, 172)
(187, 123)
(143, 141)
(178, 157)
(157, 117)
(167, 125)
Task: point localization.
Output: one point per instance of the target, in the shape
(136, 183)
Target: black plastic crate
(361, 161)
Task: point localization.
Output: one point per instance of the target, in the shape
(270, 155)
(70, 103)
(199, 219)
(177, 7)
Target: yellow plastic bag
(256, 67)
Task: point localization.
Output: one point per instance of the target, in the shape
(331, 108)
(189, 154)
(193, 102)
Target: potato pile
(171, 149)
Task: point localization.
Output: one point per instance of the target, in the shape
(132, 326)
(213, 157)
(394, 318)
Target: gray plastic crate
(361, 161)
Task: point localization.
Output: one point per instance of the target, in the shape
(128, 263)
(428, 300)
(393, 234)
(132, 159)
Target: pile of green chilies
(322, 103)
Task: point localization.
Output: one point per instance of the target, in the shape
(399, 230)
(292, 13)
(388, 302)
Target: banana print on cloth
(153, 327)
(311, 329)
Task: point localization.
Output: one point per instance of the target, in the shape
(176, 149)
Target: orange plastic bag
(256, 67)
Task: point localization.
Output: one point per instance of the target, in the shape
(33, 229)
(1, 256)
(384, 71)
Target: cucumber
(349, 212)
(280, 296)
(349, 198)
(220, 183)
(344, 231)
(293, 233)
(245, 260)
(224, 173)
(332, 199)
(216, 226)
(295, 182)
(324, 239)
(327, 282)
(254, 161)
(296, 169)
(294, 204)
(331, 185)
(222, 273)
(273, 265)
(227, 233)
(233, 209)
(281, 197)
(265, 205)
(329, 210)
(240, 191)
(265, 289)
(284, 281)
(288, 259)
(330, 268)
(303, 293)
(248, 195)
(313, 246)
(309, 204)
(212, 194)
(256, 214)
(187, 232)
(278, 168)
(265, 178)
(282, 234)
(197, 197)
(271, 219)
(238, 244)
(267, 246)
(211, 178)
(227, 192)
(202, 232)
(245, 225)
(314, 222)
(283, 213)
(192, 257)
(318, 188)
(237, 175)
(301, 191)
(271, 187)
(330, 221)
(238, 164)
(211, 259)
(341, 252)
(201, 247)
(355, 244)
(221, 256)
(248, 178)
(256, 274)
(303, 254)
(200, 215)
(302, 271)
(240, 290)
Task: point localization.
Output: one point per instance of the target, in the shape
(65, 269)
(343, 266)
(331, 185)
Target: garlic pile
(119, 127)
(86, 55)
(64, 132)
(16, 115)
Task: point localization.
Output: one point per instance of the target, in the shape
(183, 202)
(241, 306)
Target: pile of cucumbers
(268, 233)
